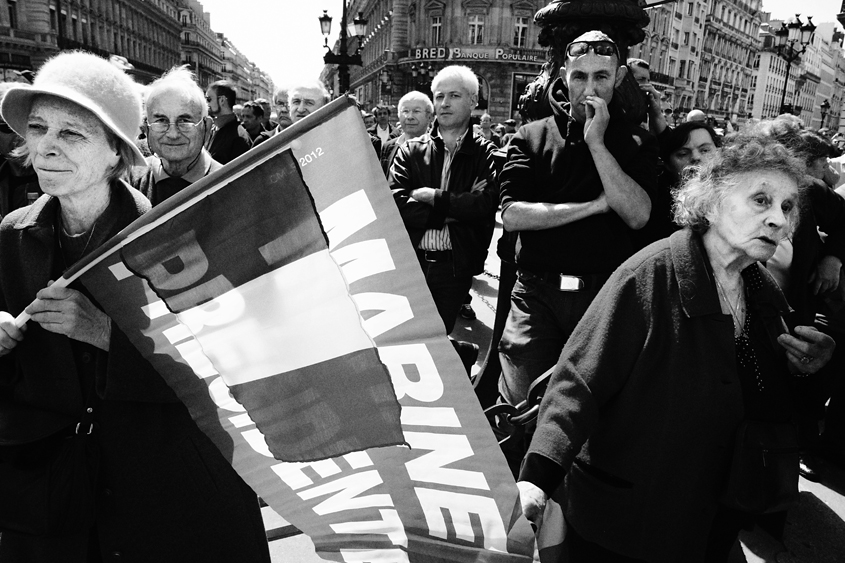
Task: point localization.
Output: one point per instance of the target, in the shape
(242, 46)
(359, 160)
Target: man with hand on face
(415, 114)
(575, 187)
(228, 139)
(641, 72)
(177, 124)
(444, 185)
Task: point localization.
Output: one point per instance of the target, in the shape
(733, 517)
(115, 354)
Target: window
(520, 31)
(436, 30)
(13, 14)
(74, 28)
(682, 67)
(53, 19)
(476, 30)
(686, 38)
(689, 8)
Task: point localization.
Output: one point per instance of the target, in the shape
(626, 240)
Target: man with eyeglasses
(575, 187)
(283, 121)
(176, 124)
(228, 139)
(415, 114)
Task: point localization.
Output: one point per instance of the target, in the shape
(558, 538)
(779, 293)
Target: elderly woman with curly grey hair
(99, 459)
(684, 343)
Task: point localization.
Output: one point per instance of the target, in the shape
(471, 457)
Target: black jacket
(469, 212)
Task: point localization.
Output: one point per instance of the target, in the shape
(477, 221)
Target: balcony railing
(661, 78)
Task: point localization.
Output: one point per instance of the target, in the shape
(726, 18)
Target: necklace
(70, 236)
(736, 311)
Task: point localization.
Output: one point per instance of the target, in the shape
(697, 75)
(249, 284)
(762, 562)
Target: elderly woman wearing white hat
(141, 482)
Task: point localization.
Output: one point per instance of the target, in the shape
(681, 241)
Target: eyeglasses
(281, 104)
(183, 125)
(601, 48)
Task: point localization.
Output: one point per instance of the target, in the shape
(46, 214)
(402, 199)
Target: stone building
(816, 77)
(143, 34)
(672, 47)
(199, 47)
(730, 45)
(408, 41)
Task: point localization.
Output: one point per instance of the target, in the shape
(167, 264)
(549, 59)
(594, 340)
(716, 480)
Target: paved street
(815, 531)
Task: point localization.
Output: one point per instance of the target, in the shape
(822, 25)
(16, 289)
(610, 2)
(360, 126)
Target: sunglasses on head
(602, 48)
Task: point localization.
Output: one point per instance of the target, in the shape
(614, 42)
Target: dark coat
(469, 213)
(229, 142)
(376, 140)
(165, 493)
(642, 408)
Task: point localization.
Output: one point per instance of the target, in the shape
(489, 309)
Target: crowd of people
(677, 286)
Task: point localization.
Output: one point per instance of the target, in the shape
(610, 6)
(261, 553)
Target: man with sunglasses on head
(575, 187)
(228, 139)
(177, 124)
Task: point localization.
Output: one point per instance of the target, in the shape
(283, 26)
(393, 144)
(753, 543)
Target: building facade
(143, 34)
(145, 37)
(408, 41)
(731, 43)
(816, 77)
(199, 47)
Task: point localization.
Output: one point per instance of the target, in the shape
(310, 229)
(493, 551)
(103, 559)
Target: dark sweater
(548, 161)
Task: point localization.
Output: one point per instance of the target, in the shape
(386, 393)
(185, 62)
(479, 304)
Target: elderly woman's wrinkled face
(756, 215)
(68, 147)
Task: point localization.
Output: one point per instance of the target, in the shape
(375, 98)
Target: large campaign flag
(281, 300)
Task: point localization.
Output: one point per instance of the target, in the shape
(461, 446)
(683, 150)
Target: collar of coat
(40, 217)
(696, 282)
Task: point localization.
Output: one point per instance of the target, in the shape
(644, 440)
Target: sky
(283, 36)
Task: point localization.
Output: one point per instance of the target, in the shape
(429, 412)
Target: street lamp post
(422, 76)
(825, 107)
(790, 35)
(342, 59)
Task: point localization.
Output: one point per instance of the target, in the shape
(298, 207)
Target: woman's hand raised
(66, 311)
(10, 334)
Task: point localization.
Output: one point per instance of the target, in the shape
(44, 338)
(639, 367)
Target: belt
(564, 282)
(434, 256)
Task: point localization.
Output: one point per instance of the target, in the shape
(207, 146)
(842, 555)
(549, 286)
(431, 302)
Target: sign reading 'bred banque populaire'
(490, 54)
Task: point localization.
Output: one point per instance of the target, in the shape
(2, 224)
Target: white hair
(414, 96)
(462, 73)
(181, 79)
(280, 90)
(311, 85)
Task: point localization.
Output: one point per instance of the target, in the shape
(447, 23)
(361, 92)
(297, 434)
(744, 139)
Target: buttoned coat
(641, 410)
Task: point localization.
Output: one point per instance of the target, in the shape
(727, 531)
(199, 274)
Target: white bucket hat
(88, 81)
